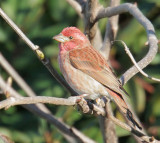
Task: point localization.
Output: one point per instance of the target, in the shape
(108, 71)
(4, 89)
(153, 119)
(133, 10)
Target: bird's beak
(61, 38)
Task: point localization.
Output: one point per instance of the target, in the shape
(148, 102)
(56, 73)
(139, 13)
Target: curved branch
(81, 2)
(111, 32)
(135, 63)
(152, 39)
(76, 6)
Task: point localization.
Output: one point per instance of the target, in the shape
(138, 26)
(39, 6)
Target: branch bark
(111, 31)
(108, 126)
(152, 39)
(92, 30)
(76, 6)
(38, 52)
(16, 99)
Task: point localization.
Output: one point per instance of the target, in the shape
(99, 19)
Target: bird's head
(71, 38)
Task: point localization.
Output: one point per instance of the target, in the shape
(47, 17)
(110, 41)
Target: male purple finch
(86, 70)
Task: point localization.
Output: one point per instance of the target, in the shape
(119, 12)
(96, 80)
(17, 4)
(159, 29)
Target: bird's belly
(81, 82)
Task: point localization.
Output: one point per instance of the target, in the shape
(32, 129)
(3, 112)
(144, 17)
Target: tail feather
(130, 117)
(123, 107)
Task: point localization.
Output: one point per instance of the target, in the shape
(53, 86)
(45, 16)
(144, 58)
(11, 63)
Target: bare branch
(76, 6)
(39, 53)
(84, 139)
(134, 11)
(18, 31)
(47, 116)
(135, 63)
(20, 81)
(111, 32)
(82, 3)
(96, 12)
(92, 30)
(109, 125)
(47, 64)
(4, 63)
(143, 73)
(40, 109)
(142, 136)
(12, 101)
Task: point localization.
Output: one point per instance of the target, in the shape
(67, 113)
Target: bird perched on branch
(86, 70)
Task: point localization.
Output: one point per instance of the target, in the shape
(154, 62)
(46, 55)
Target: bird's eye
(70, 37)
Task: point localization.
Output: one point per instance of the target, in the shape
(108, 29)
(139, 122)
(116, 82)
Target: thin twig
(46, 62)
(135, 63)
(20, 81)
(38, 51)
(18, 31)
(82, 3)
(134, 11)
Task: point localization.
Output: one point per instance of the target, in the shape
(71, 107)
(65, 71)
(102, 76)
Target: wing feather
(89, 61)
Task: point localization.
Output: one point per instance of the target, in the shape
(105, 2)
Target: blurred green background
(40, 20)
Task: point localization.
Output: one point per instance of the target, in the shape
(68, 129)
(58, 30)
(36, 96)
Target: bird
(87, 71)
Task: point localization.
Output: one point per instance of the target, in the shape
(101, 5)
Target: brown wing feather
(92, 63)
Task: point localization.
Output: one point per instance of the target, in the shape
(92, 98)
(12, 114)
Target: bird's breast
(79, 81)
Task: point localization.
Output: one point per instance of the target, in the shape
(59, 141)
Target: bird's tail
(123, 107)
(130, 117)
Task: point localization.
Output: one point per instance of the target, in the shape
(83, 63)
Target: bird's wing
(89, 61)
(92, 63)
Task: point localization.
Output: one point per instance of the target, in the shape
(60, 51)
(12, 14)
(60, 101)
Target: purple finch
(86, 70)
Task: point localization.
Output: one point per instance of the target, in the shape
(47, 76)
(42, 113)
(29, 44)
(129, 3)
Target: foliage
(40, 20)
